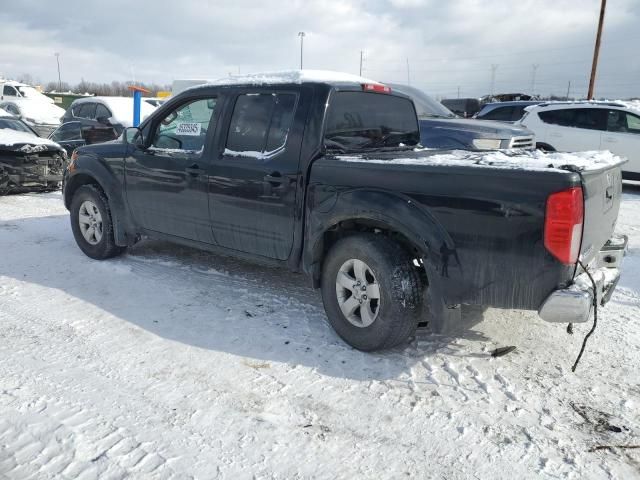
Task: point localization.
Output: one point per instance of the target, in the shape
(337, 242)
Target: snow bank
(518, 160)
(291, 76)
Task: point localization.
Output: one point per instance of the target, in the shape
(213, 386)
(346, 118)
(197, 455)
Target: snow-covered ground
(173, 363)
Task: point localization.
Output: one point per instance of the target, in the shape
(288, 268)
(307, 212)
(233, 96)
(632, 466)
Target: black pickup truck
(324, 175)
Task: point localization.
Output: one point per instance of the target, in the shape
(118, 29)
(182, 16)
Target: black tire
(106, 246)
(544, 147)
(400, 291)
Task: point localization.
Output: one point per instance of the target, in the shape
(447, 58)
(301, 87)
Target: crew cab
(322, 173)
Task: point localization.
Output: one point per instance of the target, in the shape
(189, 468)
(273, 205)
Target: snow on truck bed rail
(518, 160)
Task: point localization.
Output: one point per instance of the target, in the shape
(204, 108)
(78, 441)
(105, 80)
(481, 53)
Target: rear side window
(85, 110)
(102, 111)
(261, 122)
(587, 118)
(359, 120)
(503, 114)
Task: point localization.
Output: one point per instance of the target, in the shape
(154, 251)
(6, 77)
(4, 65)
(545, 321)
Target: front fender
(89, 168)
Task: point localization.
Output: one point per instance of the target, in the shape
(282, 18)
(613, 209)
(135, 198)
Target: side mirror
(103, 120)
(133, 136)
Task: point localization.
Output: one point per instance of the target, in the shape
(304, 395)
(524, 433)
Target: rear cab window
(365, 120)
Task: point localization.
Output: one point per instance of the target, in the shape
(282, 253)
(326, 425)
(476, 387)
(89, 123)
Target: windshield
(426, 107)
(14, 124)
(362, 120)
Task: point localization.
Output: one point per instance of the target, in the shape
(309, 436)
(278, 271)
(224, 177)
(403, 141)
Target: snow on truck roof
(292, 76)
(517, 160)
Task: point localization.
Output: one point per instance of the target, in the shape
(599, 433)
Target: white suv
(579, 126)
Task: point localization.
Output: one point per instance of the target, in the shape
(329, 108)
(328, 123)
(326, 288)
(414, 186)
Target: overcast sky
(434, 44)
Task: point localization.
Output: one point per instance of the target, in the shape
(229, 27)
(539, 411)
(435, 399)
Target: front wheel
(372, 292)
(92, 225)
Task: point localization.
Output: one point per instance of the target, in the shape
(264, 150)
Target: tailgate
(602, 190)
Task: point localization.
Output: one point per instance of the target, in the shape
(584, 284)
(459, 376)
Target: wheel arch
(104, 180)
(386, 213)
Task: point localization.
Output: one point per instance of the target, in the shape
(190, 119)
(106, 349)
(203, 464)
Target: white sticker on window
(188, 129)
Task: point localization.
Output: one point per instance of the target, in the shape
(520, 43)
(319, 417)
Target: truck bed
(490, 208)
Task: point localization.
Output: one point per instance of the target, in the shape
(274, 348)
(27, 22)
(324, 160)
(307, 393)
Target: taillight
(563, 224)
(376, 87)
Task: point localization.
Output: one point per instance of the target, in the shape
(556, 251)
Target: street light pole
(301, 35)
(59, 80)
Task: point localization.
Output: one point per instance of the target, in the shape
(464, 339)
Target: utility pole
(596, 50)
(534, 67)
(494, 67)
(361, 53)
(408, 75)
(568, 89)
(59, 79)
(458, 91)
(301, 35)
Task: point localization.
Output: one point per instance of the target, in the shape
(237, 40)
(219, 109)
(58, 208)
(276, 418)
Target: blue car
(442, 129)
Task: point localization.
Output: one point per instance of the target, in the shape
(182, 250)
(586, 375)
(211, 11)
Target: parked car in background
(43, 117)
(318, 172)
(72, 135)
(464, 107)
(11, 122)
(116, 112)
(11, 90)
(27, 161)
(504, 111)
(580, 126)
(441, 128)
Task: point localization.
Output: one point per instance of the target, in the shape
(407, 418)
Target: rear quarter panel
(489, 246)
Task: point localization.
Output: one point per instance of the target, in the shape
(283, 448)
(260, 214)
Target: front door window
(184, 129)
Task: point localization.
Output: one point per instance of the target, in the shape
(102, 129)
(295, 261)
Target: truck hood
(483, 128)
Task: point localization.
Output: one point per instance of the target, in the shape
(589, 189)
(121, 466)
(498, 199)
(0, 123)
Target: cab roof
(294, 77)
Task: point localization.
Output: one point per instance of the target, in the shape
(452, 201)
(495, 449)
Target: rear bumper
(573, 304)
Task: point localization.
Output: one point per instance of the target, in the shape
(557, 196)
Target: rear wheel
(371, 291)
(92, 224)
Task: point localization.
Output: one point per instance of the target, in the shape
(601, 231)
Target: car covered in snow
(43, 117)
(11, 90)
(116, 112)
(28, 162)
(588, 125)
(323, 173)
